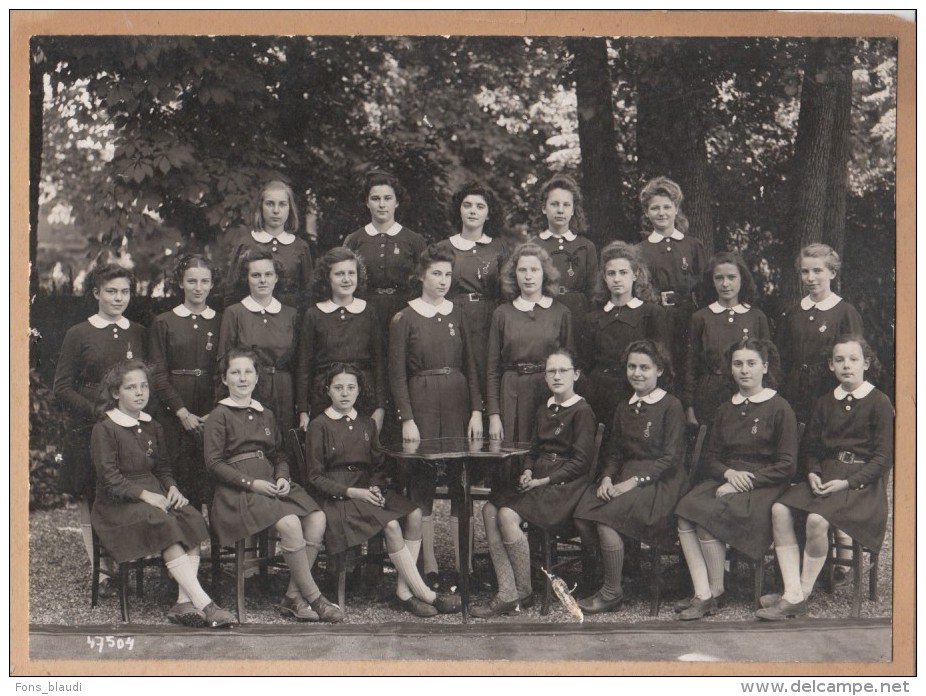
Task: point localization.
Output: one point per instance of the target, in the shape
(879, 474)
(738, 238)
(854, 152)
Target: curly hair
(563, 182)
(321, 283)
(292, 221)
(658, 353)
(431, 255)
(663, 186)
(874, 365)
(642, 287)
(378, 177)
(346, 368)
(244, 266)
(239, 352)
(509, 275)
(748, 291)
(767, 350)
(495, 221)
(101, 275)
(185, 263)
(113, 380)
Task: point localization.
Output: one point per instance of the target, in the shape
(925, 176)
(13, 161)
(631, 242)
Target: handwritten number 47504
(110, 643)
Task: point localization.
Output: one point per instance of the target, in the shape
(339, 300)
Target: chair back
(593, 469)
(695, 464)
(295, 448)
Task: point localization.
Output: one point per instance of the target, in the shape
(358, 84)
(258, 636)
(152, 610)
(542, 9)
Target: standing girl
(749, 463)
(628, 314)
(346, 467)
(675, 259)
(806, 331)
(849, 449)
(553, 477)
(276, 224)
(713, 329)
(138, 510)
(643, 472)
(253, 489)
(183, 344)
(89, 350)
(340, 327)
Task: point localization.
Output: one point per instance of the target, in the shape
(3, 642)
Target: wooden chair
(857, 564)
(125, 569)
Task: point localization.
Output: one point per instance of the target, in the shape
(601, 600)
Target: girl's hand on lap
(604, 489)
(155, 500)
(725, 489)
(816, 483)
(283, 487)
(740, 480)
(364, 494)
(834, 486)
(264, 488)
(175, 498)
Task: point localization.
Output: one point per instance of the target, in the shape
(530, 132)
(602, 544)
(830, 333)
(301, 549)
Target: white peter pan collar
(251, 304)
(824, 305)
(125, 420)
(526, 306)
(572, 401)
(763, 395)
(100, 323)
(718, 308)
(426, 309)
(568, 235)
(182, 311)
(632, 304)
(335, 415)
(654, 397)
(859, 393)
(355, 307)
(458, 242)
(265, 237)
(655, 237)
(255, 404)
(391, 232)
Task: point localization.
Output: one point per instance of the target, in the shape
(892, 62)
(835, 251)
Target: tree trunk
(36, 101)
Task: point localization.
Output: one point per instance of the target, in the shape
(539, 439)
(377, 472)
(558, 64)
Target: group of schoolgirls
(480, 340)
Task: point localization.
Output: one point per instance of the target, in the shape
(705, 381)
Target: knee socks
(519, 553)
(504, 574)
(694, 557)
(182, 595)
(410, 582)
(182, 571)
(612, 559)
(812, 567)
(715, 555)
(301, 572)
(789, 561)
(402, 588)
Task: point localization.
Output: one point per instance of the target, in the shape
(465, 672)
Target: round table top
(455, 448)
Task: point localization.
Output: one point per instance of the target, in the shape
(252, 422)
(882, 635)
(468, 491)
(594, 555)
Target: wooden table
(461, 451)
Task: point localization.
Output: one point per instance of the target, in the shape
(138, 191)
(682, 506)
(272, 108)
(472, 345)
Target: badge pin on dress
(452, 331)
(755, 426)
(684, 264)
(267, 432)
(646, 432)
(209, 340)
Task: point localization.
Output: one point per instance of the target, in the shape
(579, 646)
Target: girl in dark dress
(643, 471)
(90, 349)
(749, 462)
(138, 510)
(627, 313)
(253, 491)
(849, 453)
(713, 329)
(340, 327)
(182, 346)
(553, 478)
(276, 226)
(346, 467)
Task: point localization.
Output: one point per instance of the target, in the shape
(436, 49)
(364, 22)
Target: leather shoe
(841, 579)
(185, 614)
(297, 608)
(699, 609)
(767, 601)
(448, 604)
(495, 607)
(527, 601)
(596, 604)
(783, 610)
(327, 611)
(108, 587)
(682, 604)
(432, 580)
(217, 617)
(418, 607)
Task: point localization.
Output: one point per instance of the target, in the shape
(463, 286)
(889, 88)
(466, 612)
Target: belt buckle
(260, 454)
(473, 296)
(197, 372)
(846, 457)
(668, 298)
(563, 290)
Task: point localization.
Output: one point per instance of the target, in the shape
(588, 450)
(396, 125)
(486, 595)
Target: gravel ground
(59, 586)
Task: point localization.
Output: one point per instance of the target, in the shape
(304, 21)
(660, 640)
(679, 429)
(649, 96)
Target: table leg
(465, 555)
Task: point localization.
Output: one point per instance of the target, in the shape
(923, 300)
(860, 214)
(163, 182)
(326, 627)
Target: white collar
(391, 232)
(654, 397)
(860, 393)
(568, 235)
(655, 237)
(571, 401)
(826, 304)
(182, 311)
(632, 304)
(426, 309)
(466, 244)
(718, 308)
(335, 415)
(251, 304)
(355, 307)
(125, 420)
(763, 395)
(255, 404)
(101, 323)
(525, 306)
(265, 237)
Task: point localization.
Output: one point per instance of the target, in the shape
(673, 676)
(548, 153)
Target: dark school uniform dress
(90, 349)
(757, 435)
(563, 449)
(242, 445)
(294, 288)
(676, 264)
(343, 453)
(522, 335)
(609, 330)
(330, 334)
(851, 437)
(647, 441)
(576, 259)
(271, 332)
(182, 348)
(805, 339)
(476, 288)
(707, 381)
(128, 456)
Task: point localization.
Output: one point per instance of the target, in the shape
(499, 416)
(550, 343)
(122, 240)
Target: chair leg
(656, 565)
(140, 578)
(124, 590)
(547, 563)
(340, 565)
(95, 578)
(760, 577)
(873, 576)
(239, 579)
(858, 561)
(215, 554)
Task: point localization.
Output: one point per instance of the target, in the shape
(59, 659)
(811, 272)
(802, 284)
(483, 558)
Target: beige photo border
(24, 24)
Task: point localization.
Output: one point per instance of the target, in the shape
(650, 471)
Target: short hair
(820, 251)
(664, 186)
(767, 350)
(874, 367)
(659, 355)
(494, 223)
(246, 259)
(113, 380)
(378, 177)
(363, 398)
(566, 352)
(578, 223)
(747, 292)
(642, 287)
(292, 221)
(431, 255)
(185, 263)
(509, 277)
(321, 283)
(239, 352)
(101, 275)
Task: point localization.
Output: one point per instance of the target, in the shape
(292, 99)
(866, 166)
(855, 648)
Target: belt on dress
(470, 296)
(271, 370)
(385, 291)
(437, 371)
(526, 368)
(192, 373)
(846, 457)
(259, 454)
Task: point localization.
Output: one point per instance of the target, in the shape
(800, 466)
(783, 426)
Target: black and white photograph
(529, 338)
